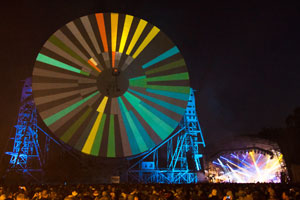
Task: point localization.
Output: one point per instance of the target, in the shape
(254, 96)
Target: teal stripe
(162, 128)
(164, 104)
(174, 95)
(139, 140)
(45, 59)
(50, 120)
(163, 56)
(143, 133)
(133, 144)
(171, 122)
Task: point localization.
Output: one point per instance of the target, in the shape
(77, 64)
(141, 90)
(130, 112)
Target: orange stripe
(113, 55)
(94, 66)
(101, 27)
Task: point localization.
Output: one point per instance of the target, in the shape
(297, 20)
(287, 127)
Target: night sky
(243, 56)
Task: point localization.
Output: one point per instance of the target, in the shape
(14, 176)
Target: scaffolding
(184, 147)
(31, 144)
(27, 157)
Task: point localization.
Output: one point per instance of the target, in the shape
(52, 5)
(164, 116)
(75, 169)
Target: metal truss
(27, 156)
(183, 154)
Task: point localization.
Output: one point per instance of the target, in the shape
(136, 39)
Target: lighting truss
(248, 167)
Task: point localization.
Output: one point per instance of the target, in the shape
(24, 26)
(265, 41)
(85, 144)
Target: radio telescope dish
(110, 85)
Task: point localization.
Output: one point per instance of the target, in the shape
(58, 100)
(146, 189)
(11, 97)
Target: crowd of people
(152, 192)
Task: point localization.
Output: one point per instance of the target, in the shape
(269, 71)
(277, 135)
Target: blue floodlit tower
(184, 149)
(27, 156)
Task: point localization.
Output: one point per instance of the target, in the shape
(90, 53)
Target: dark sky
(243, 56)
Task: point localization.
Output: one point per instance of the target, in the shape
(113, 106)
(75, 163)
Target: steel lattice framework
(183, 149)
(27, 156)
(31, 143)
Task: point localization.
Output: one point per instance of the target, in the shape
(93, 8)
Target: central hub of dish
(112, 82)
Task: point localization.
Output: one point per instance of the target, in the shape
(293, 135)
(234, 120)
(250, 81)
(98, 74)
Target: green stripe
(69, 133)
(98, 138)
(158, 125)
(50, 120)
(84, 73)
(143, 133)
(178, 63)
(84, 134)
(45, 59)
(178, 89)
(111, 149)
(172, 77)
(138, 77)
(164, 104)
(140, 82)
(65, 48)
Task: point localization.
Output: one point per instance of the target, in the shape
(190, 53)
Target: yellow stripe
(102, 104)
(93, 61)
(90, 140)
(114, 30)
(146, 41)
(126, 28)
(136, 35)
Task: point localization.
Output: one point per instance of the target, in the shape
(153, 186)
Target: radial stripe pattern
(110, 85)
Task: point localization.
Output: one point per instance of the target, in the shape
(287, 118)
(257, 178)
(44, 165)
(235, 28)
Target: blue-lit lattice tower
(184, 152)
(26, 156)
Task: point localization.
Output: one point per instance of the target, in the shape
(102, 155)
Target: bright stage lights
(248, 167)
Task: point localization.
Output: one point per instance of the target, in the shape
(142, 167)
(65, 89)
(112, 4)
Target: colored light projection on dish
(110, 85)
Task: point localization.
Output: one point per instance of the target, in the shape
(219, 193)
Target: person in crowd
(22, 196)
(105, 196)
(213, 195)
(200, 191)
(285, 196)
(3, 196)
(228, 196)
